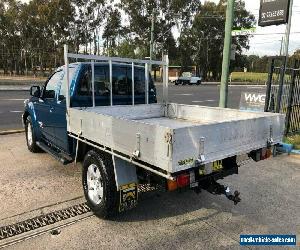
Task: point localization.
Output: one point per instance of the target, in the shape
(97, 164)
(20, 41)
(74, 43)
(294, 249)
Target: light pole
(226, 55)
(152, 36)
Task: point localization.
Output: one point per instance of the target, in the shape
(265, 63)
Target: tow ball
(216, 188)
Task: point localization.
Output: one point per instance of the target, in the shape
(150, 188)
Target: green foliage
(126, 49)
(294, 140)
(112, 30)
(202, 42)
(166, 13)
(32, 34)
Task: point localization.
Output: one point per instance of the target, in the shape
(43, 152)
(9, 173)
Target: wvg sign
(252, 101)
(254, 98)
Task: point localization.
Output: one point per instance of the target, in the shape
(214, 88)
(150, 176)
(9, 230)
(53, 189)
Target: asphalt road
(11, 108)
(12, 101)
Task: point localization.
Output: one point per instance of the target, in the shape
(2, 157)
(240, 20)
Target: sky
(264, 41)
(270, 44)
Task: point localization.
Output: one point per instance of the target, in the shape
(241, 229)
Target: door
(60, 108)
(45, 107)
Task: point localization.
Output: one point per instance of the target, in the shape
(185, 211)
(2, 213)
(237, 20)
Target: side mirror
(35, 91)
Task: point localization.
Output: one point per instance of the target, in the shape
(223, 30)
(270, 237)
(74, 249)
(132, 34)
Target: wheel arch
(24, 117)
(29, 112)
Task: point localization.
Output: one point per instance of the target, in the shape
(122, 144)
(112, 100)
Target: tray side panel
(121, 135)
(225, 139)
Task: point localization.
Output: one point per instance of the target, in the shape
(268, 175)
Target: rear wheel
(30, 136)
(99, 184)
(198, 82)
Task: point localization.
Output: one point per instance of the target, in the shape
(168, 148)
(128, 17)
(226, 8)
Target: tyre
(198, 82)
(99, 186)
(176, 82)
(30, 136)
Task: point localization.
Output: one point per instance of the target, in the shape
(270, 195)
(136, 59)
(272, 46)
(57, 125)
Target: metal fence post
(291, 99)
(280, 88)
(269, 85)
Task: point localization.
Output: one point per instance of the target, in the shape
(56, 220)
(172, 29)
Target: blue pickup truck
(124, 146)
(44, 116)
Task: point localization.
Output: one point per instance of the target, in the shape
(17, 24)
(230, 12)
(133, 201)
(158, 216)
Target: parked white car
(188, 78)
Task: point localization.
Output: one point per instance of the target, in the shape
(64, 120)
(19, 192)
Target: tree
(206, 35)
(112, 30)
(9, 35)
(33, 34)
(89, 15)
(166, 13)
(126, 49)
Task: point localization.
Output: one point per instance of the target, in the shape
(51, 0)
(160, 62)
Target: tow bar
(216, 188)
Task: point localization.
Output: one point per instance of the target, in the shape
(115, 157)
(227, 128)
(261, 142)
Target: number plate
(217, 166)
(211, 167)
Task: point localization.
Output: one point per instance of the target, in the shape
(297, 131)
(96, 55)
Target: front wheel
(30, 136)
(99, 184)
(198, 82)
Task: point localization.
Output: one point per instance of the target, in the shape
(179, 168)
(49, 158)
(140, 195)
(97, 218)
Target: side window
(139, 81)
(102, 85)
(120, 81)
(85, 84)
(52, 85)
(63, 88)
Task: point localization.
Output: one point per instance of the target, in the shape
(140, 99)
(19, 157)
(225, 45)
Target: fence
(283, 94)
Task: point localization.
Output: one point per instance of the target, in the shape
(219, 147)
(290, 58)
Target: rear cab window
(121, 87)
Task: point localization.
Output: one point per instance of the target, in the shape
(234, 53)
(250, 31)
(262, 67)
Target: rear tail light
(266, 153)
(269, 152)
(182, 180)
(261, 154)
(172, 185)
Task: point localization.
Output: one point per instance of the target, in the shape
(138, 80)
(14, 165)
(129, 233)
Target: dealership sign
(273, 12)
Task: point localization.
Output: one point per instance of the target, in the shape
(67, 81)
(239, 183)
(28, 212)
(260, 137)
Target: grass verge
(249, 77)
(293, 139)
